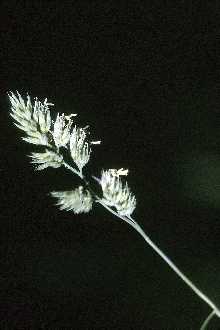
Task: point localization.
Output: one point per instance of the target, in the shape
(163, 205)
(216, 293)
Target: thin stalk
(73, 170)
(138, 228)
(205, 323)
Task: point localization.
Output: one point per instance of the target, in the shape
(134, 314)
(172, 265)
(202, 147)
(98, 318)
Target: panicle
(78, 200)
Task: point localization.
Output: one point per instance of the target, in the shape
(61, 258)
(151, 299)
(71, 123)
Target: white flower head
(46, 159)
(79, 146)
(61, 131)
(115, 193)
(78, 200)
(34, 120)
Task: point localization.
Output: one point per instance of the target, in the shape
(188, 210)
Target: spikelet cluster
(117, 194)
(78, 200)
(34, 120)
(46, 159)
(62, 130)
(79, 147)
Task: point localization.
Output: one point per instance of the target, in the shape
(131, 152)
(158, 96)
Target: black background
(145, 77)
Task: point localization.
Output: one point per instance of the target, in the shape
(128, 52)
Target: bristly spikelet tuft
(34, 120)
(115, 193)
(46, 159)
(78, 200)
(61, 131)
(79, 146)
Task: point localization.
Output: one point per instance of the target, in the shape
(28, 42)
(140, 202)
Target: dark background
(145, 77)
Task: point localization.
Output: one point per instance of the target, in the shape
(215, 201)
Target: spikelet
(79, 146)
(115, 193)
(34, 120)
(61, 131)
(78, 200)
(46, 159)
